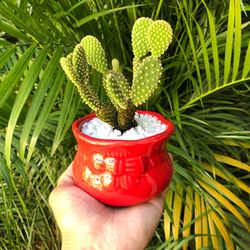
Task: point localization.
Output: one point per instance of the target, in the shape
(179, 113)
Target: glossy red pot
(122, 172)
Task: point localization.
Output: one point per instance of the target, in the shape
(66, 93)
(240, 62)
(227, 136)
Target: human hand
(86, 223)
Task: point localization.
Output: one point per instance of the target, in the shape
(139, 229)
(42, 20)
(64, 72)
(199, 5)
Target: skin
(86, 223)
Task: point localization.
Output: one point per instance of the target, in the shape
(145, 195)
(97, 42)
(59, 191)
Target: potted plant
(114, 170)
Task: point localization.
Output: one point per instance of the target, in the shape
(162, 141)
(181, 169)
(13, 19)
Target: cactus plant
(150, 40)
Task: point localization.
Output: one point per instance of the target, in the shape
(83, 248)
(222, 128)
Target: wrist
(85, 242)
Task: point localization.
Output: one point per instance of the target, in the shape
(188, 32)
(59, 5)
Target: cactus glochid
(150, 40)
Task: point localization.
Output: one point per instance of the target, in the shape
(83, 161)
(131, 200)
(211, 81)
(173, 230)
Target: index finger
(66, 179)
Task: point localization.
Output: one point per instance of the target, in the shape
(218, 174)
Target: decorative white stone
(147, 126)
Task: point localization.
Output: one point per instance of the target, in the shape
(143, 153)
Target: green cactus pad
(146, 80)
(95, 54)
(117, 88)
(80, 63)
(67, 65)
(85, 90)
(136, 63)
(115, 65)
(139, 33)
(159, 37)
(90, 98)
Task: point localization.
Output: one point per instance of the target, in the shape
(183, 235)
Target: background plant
(205, 93)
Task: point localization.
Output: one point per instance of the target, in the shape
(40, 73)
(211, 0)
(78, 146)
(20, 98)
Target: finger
(142, 219)
(66, 179)
(157, 202)
(164, 193)
(171, 156)
(66, 191)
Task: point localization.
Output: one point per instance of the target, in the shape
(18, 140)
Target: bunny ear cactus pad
(146, 80)
(159, 35)
(95, 54)
(139, 33)
(79, 63)
(79, 76)
(67, 65)
(149, 35)
(117, 88)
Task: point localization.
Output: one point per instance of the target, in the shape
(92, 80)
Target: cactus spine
(150, 40)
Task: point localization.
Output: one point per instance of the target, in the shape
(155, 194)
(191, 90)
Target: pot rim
(163, 135)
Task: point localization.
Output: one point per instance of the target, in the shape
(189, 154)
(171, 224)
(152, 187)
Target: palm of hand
(86, 223)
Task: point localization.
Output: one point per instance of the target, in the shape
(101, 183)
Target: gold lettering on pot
(103, 169)
(110, 164)
(99, 163)
(106, 179)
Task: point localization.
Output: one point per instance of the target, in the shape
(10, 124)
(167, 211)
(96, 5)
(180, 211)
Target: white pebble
(147, 126)
(117, 132)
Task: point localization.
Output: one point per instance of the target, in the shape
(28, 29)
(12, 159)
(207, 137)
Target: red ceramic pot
(122, 172)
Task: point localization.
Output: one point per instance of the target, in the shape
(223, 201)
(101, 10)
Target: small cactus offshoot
(150, 40)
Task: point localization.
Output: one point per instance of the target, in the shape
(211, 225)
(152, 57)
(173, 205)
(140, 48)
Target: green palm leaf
(21, 98)
(9, 82)
(48, 104)
(68, 112)
(230, 67)
(44, 84)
